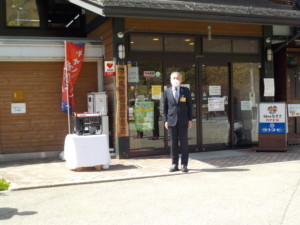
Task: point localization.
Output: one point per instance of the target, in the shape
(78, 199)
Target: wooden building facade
(213, 45)
(170, 21)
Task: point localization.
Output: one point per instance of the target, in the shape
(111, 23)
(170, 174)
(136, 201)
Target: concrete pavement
(38, 173)
(260, 194)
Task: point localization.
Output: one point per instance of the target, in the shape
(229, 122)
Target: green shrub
(4, 185)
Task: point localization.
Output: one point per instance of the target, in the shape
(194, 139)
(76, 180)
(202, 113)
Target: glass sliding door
(215, 108)
(145, 94)
(246, 94)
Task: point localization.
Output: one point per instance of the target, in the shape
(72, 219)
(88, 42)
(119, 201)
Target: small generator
(87, 123)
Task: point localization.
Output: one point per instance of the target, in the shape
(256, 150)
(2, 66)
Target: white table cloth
(86, 151)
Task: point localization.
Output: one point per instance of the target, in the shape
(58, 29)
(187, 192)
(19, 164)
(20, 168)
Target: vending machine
(97, 103)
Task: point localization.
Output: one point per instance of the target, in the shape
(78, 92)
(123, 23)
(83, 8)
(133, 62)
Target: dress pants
(179, 132)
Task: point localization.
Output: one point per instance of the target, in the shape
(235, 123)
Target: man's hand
(190, 125)
(166, 125)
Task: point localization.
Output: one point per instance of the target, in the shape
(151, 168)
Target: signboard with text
(109, 68)
(216, 104)
(294, 110)
(121, 94)
(149, 74)
(144, 115)
(272, 118)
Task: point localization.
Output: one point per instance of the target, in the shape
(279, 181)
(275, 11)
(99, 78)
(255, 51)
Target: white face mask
(175, 82)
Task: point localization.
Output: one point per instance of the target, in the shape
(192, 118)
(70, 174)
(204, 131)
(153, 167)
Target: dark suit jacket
(181, 111)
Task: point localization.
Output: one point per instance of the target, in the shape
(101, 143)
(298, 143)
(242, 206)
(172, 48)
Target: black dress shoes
(184, 168)
(174, 168)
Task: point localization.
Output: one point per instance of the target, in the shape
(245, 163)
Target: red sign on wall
(109, 68)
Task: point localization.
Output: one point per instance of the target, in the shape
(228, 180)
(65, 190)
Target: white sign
(18, 108)
(246, 105)
(109, 68)
(149, 74)
(269, 87)
(133, 74)
(294, 110)
(214, 90)
(216, 104)
(272, 113)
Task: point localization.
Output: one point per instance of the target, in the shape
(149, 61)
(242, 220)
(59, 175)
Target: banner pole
(68, 85)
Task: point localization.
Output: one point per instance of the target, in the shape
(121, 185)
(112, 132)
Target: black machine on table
(87, 123)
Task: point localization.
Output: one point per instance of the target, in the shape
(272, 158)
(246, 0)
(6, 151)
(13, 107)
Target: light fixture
(268, 40)
(155, 39)
(187, 39)
(209, 33)
(72, 21)
(132, 42)
(121, 51)
(121, 34)
(191, 43)
(269, 57)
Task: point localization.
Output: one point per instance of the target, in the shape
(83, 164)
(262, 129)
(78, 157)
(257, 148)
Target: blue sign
(272, 118)
(272, 128)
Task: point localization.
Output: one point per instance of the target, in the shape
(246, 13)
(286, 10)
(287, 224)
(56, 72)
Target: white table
(86, 151)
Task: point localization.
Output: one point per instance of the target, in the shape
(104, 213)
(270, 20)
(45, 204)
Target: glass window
(146, 43)
(22, 13)
(246, 78)
(217, 45)
(179, 44)
(215, 116)
(245, 46)
(145, 94)
(63, 14)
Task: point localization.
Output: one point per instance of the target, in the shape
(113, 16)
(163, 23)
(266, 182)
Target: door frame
(230, 102)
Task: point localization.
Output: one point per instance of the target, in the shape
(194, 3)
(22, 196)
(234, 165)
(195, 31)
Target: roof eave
(176, 10)
(196, 16)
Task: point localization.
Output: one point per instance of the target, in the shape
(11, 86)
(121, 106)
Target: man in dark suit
(178, 119)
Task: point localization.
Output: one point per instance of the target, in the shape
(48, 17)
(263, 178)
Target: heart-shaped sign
(109, 65)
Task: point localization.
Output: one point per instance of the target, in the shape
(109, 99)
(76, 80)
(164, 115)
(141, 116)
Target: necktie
(176, 95)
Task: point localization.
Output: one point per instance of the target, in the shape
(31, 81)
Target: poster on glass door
(144, 115)
(216, 104)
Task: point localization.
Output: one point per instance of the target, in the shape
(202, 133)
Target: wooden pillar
(121, 143)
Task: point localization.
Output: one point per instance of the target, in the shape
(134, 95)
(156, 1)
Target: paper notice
(269, 87)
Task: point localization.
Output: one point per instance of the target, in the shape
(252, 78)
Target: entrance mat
(216, 154)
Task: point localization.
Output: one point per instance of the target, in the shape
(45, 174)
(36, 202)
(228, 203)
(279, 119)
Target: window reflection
(146, 124)
(246, 77)
(22, 13)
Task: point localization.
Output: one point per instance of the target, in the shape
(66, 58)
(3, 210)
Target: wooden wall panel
(282, 90)
(105, 31)
(90, 17)
(192, 26)
(44, 126)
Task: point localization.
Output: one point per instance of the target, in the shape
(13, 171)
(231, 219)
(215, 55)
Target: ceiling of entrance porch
(264, 12)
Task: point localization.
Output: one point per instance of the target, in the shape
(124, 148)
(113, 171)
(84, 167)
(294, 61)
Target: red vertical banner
(73, 62)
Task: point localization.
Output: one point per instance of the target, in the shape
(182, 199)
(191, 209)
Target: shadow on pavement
(223, 170)
(29, 162)
(8, 213)
(113, 167)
